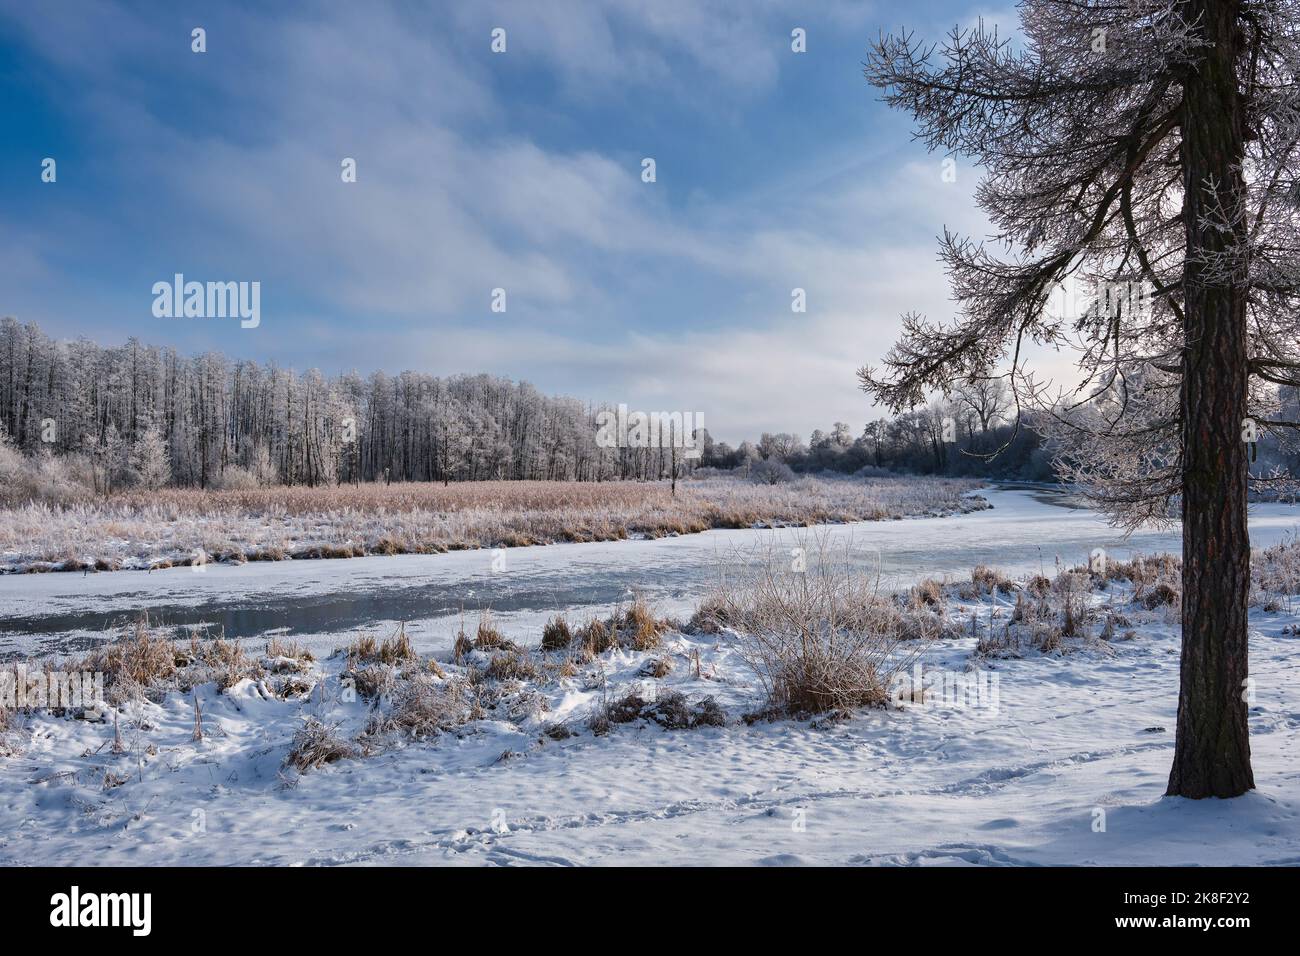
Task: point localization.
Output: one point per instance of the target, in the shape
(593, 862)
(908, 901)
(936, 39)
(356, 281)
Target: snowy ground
(1071, 738)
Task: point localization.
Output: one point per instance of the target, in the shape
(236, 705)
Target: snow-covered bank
(1067, 765)
(188, 526)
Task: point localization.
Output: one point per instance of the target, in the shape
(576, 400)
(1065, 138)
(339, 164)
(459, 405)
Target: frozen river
(321, 602)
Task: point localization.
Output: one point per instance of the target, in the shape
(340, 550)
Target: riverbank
(183, 527)
(641, 753)
(319, 602)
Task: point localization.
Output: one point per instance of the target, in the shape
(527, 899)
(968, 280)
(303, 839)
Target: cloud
(618, 290)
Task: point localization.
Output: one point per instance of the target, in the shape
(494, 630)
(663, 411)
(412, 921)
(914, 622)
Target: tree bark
(1212, 748)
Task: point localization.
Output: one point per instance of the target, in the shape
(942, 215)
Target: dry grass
(657, 667)
(929, 593)
(1161, 595)
(8, 742)
(372, 682)
(670, 710)
(1057, 618)
(136, 662)
(425, 707)
(1275, 572)
(292, 650)
(397, 649)
(315, 745)
(556, 635)
(595, 637)
(487, 636)
(985, 580)
(823, 639)
(167, 526)
(511, 665)
(145, 662)
(635, 627)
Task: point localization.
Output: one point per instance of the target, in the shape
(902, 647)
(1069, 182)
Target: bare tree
(216, 415)
(1148, 143)
(985, 400)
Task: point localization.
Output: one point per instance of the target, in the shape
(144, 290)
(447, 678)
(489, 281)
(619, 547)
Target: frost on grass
(771, 643)
(225, 721)
(170, 526)
(820, 636)
(315, 745)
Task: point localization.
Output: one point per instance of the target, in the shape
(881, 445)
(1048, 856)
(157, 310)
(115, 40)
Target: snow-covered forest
(102, 418)
(236, 423)
(105, 418)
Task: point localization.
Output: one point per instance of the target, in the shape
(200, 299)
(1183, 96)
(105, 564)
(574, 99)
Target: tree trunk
(1212, 749)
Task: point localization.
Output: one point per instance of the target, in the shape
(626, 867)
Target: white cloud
(449, 206)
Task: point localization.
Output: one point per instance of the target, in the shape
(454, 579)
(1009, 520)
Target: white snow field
(1065, 764)
(1021, 783)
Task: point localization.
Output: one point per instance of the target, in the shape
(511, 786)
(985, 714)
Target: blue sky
(477, 170)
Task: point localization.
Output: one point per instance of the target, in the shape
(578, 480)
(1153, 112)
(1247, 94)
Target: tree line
(146, 415)
(141, 415)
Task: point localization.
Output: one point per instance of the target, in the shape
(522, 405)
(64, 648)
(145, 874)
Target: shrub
(132, 665)
(818, 640)
(281, 647)
(929, 593)
(511, 665)
(1038, 585)
(596, 637)
(671, 710)
(234, 478)
(1276, 570)
(397, 649)
(770, 471)
(708, 714)
(711, 614)
(637, 627)
(364, 648)
(487, 637)
(424, 707)
(315, 745)
(1160, 595)
(986, 580)
(556, 634)
(373, 682)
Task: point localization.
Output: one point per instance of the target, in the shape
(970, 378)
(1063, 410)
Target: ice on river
(320, 602)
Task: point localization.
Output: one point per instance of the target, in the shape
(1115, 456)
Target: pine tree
(1148, 145)
(150, 459)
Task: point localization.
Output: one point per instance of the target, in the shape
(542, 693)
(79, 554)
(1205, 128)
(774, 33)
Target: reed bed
(183, 526)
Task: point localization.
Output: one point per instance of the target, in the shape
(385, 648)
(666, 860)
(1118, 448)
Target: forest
(104, 418)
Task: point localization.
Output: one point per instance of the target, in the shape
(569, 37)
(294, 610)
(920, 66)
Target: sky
(475, 171)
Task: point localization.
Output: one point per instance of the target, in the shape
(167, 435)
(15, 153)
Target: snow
(1019, 784)
(1023, 783)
